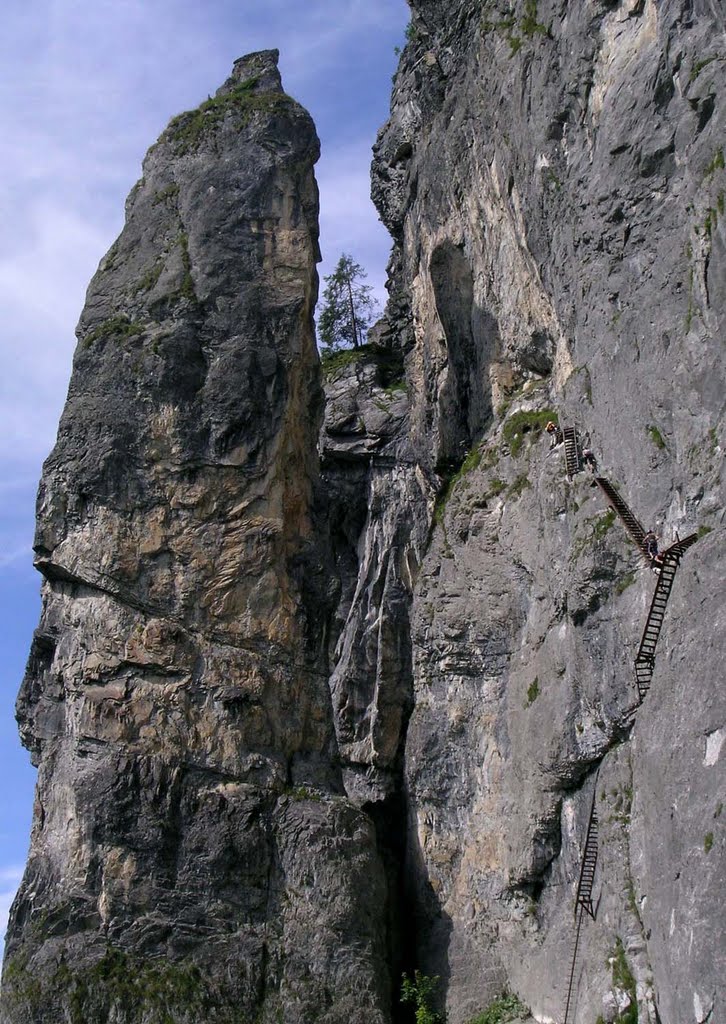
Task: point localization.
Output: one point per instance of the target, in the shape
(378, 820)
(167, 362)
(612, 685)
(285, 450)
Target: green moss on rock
(185, 131)
(118, 327)
(521, 424)
(504, 1009)
(623, 979)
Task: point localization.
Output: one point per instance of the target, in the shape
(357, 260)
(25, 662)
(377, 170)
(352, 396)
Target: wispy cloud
(9, 882)
(100, 83)
(348, 219)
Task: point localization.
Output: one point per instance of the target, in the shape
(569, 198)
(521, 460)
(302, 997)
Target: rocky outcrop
(193, 855)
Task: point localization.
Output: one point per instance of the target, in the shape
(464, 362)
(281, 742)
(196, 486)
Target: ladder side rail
(584, 891)
(661, 594)
(631, 522)
(573, 968)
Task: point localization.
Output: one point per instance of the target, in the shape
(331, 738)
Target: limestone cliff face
(193, 856)
(553, 178)
(318, 696)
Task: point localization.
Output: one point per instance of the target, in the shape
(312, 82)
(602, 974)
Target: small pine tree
(348, 306)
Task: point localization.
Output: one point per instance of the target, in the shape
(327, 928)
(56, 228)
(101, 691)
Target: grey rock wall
(193, 856)
(552, 176)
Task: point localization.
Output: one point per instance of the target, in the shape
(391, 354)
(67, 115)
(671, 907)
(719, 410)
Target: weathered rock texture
(193, 857)
(553, 177)
(297, 734)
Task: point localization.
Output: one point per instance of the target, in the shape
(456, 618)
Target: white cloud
(100, 83)
(348, 219)
(9, 882)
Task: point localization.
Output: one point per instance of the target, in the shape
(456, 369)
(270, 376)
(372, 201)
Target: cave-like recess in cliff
(470, 335)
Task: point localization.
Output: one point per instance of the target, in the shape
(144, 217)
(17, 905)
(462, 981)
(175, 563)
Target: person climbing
(555, 434)
(650, 544)
(589, 460)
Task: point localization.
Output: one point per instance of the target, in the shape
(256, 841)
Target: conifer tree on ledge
(348, 307)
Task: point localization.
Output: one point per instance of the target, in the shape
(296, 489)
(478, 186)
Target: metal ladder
(645, 658)
(583, 899)
(575, 949)
(632, 525)
(573, 451)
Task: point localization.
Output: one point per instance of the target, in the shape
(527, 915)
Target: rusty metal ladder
(632, 525)
(573, 451)
(645, 658)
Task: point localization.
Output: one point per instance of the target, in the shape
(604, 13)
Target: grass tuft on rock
(504, 1009)
(119, 327)
(185, 131)
(604, 523)
(521, 424)
(518, 486)
(624, 582)
(470, 463)
(332, 362)
(656, 437)
(623, 979)
(532, 692)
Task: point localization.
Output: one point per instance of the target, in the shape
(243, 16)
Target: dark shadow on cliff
(431, 925)
(472, 337)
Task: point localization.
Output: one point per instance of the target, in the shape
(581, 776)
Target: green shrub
(708, 842)
(604, 523)
(186, 289)
(419, 991)
(529, 24)
(507, 1008)
(332, 362)
(532, 692)
(471, 462)
(700, 65)
(519, 485)
(520, 424)
(170, 192)
(627, 581)
(149, 279)
(411, 32)
(656, 437)
(303, 793)
(716, 163)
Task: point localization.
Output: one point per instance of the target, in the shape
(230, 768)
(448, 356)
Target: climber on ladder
(555, 434)
(650, 546)
(589, 460)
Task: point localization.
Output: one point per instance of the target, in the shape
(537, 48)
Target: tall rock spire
(191, 856)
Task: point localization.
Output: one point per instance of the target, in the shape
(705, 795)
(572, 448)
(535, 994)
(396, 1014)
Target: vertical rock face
(193, 857)
(553, 178)
(303, 720)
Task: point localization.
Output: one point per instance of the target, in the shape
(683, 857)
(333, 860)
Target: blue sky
(85, 87)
